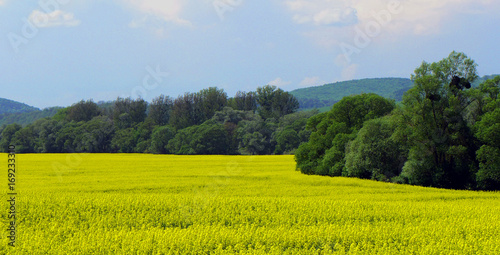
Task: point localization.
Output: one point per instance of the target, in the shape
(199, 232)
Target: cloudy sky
(58, 53)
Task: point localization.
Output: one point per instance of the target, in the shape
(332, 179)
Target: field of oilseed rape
(152, 204)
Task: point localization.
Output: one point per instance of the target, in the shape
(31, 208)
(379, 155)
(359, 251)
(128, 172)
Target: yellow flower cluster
(150, 204)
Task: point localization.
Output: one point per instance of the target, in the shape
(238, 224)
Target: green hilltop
(328, 94)
(324, 96)
(23, 114)
(10, 106)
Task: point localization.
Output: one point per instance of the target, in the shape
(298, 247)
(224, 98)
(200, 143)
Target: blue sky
(58, 53)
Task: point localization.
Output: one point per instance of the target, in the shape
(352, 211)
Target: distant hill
(26, 118)
(328, 94)
(23, 114)
(323, 97)
(10, 106)
(483, 79)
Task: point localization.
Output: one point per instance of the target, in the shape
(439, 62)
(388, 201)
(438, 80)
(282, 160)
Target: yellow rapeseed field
(161, 204)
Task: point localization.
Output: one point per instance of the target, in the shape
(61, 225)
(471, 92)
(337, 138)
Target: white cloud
(166, 10)
(278, 82)
(421, 17)
(349, 72)
(346, 16)
(322, 12)
(53, 19)
(405, 18)
(311, 81)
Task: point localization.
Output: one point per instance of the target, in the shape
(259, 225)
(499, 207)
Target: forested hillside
(25, 118)
(328, 94)
(10, 106)
(323, 97)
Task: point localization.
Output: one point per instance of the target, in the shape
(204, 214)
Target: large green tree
(442, 145)
(244, 101)
(159, 110)
(83, 111)
(128, 113)
(275, 103)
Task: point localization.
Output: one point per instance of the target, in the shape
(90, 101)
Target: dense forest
(445, 133)
(207, 122)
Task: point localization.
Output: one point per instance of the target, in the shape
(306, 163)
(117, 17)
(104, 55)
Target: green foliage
(128, 113)
(196, 108)
(374, 153)
(24, 140)
(206, 139)
(143, 133)
(7, 134)
(229, 119)
(243, 101)
(124, 141)
(159, 110)
(159, 139)
(324, 154)
(94, 136)
(287, 141)
(488, 176)
(45, 135)
(255, 136)
(61, 114)
(274, 102)
(488, 132)
(82, 111)
(355, 110)
(66, 137)
(253, 144)
(211, 139)
(333, 162)
(292, 132)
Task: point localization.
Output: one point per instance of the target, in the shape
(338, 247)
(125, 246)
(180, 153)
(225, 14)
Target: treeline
(445, 133)
(207, 122)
